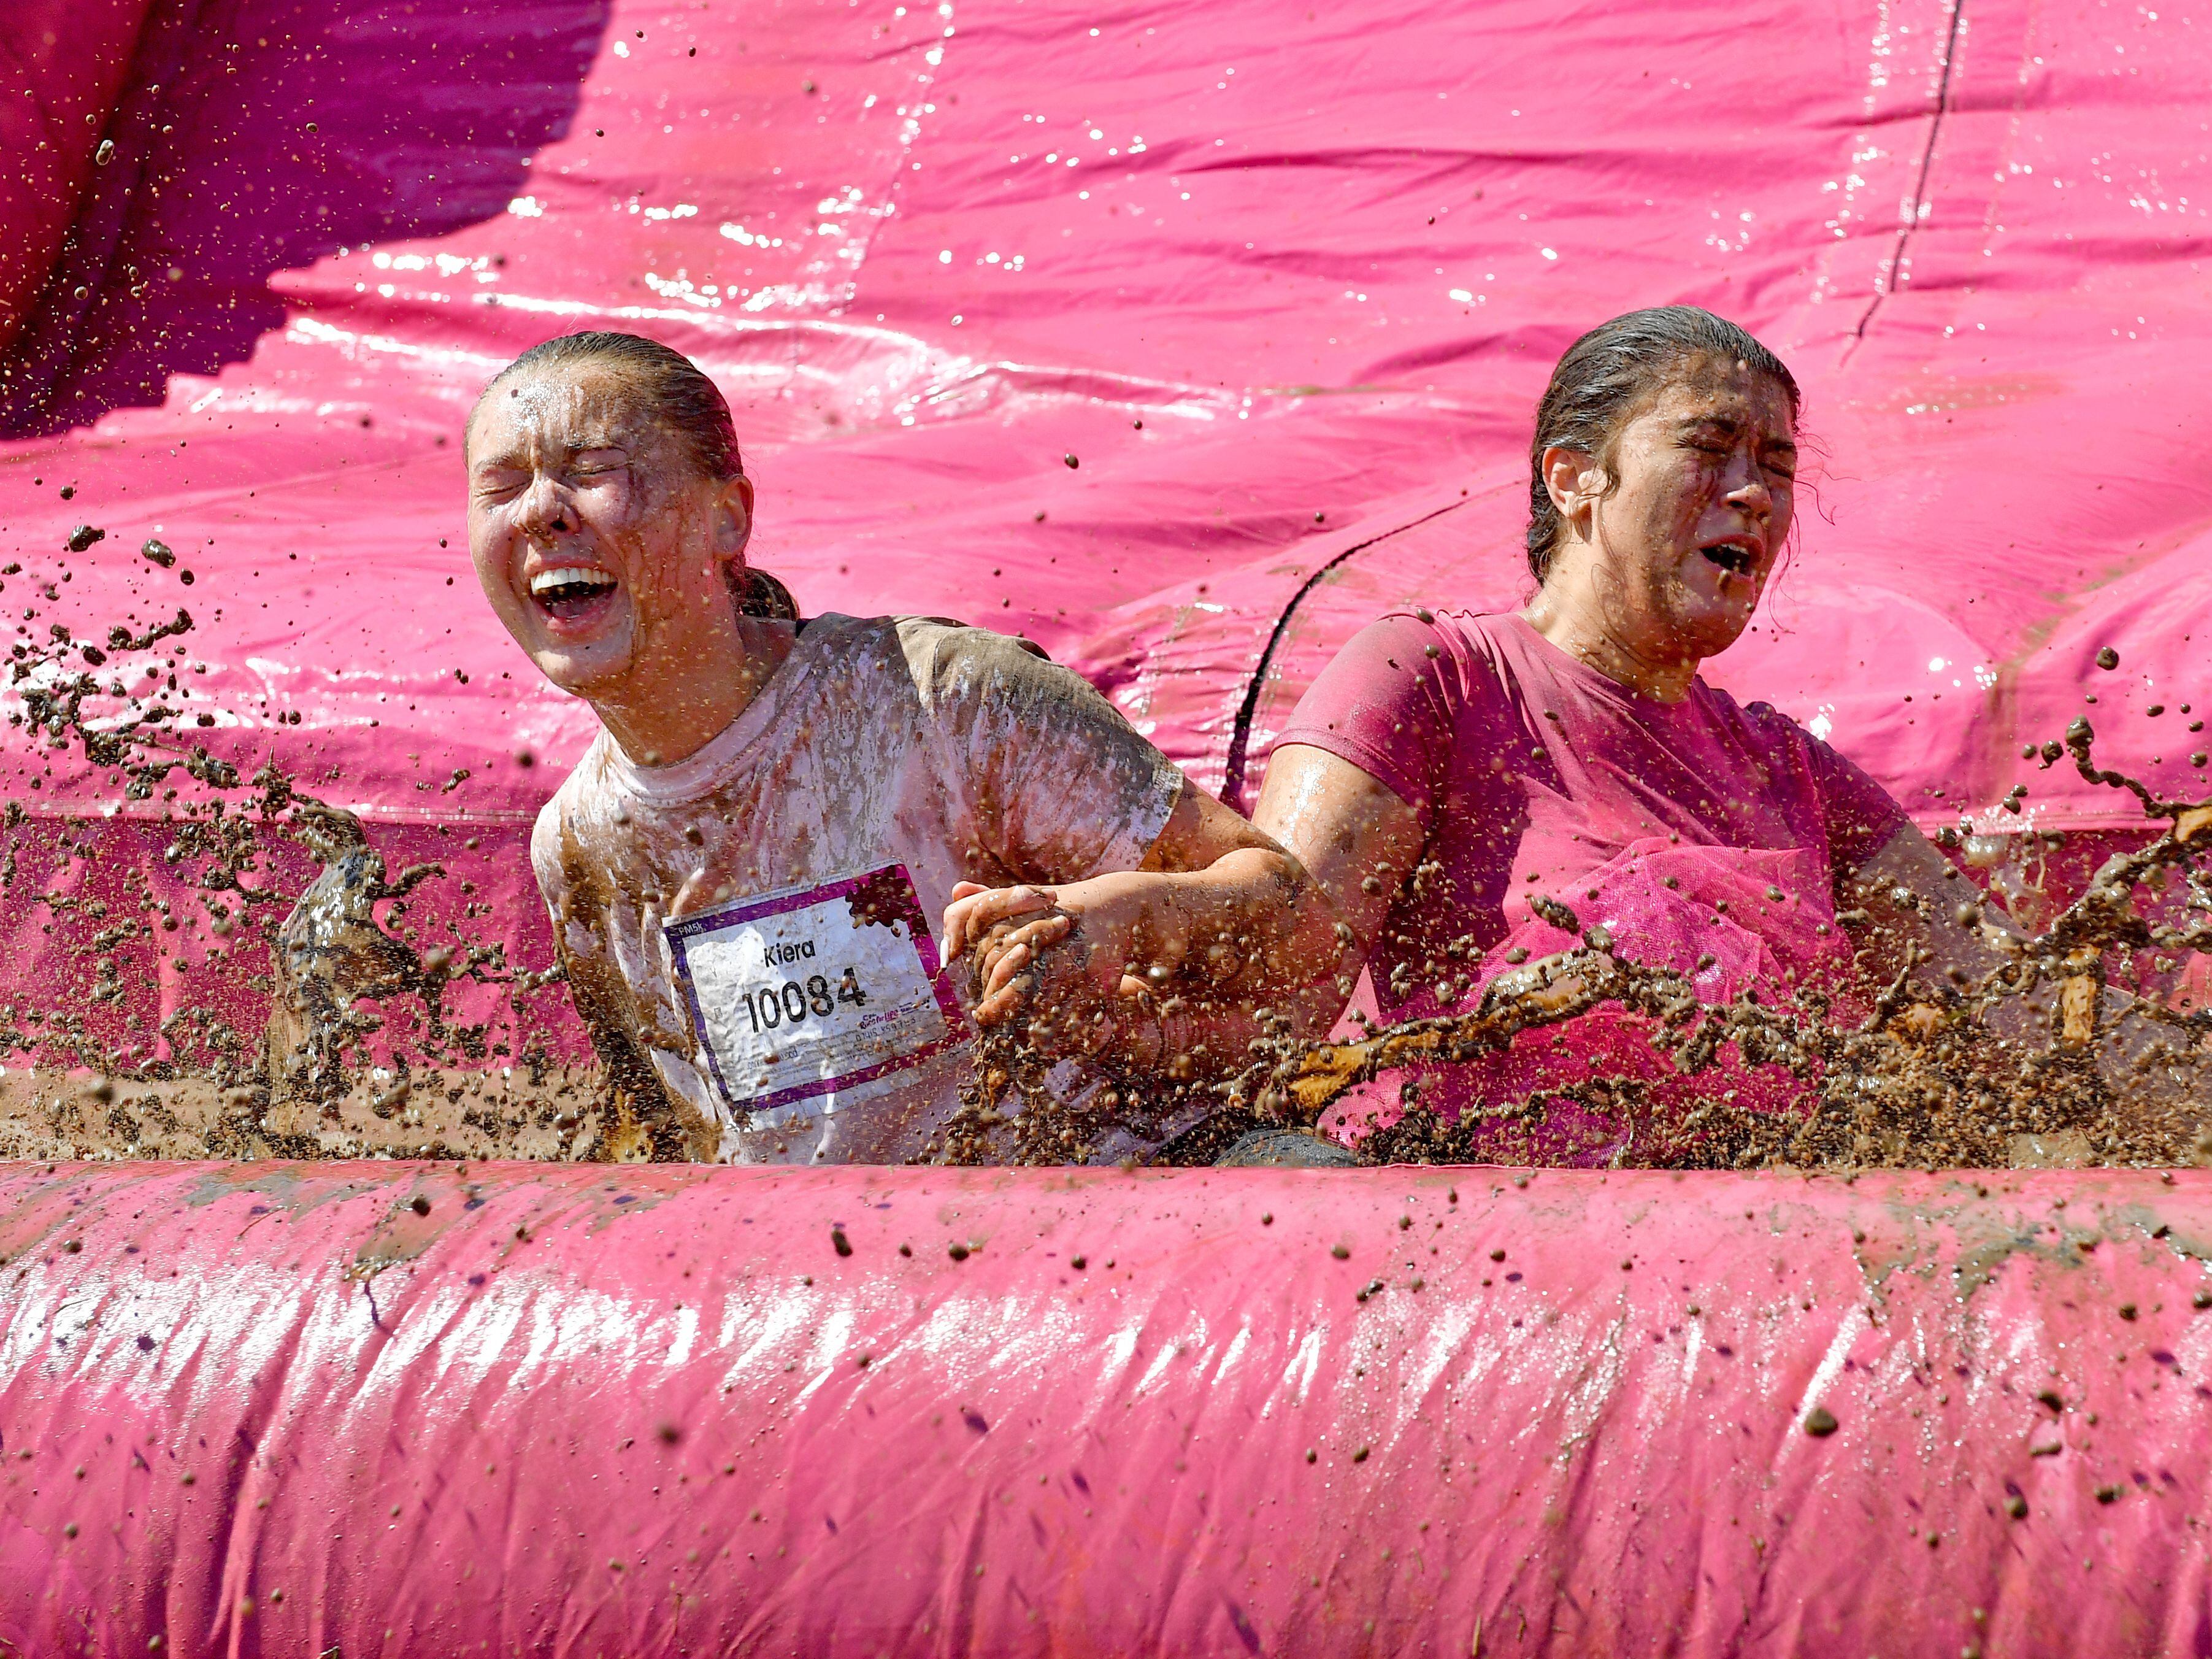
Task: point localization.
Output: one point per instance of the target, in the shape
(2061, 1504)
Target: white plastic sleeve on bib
(814, 989)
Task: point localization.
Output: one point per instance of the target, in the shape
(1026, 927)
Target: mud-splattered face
(600, 545)
(1703, 492)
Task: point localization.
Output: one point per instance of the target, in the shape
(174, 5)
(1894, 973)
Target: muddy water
(2059, 1055)
(2046, 1059)
(347, 1047)
(48, 1113)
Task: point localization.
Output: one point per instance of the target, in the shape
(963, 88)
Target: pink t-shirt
(1706, 836)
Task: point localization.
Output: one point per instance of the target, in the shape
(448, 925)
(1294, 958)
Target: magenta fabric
(653, 1412)
(1529, 769)
(1970, 235)
(1705, 837)
(1288, 310)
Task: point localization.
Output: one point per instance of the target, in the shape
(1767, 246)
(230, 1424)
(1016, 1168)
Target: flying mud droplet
(2038, 1060)
(330, 955)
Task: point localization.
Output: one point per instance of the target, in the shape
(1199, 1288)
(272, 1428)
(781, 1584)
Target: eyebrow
(512, 456)
(1730, 425)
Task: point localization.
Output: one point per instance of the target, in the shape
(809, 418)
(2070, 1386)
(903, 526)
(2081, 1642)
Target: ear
(733, 518)
(1574, 480)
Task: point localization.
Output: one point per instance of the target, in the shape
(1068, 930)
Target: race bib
(813, 990)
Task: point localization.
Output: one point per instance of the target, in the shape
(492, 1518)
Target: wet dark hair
(687, 403)
(1606, 374)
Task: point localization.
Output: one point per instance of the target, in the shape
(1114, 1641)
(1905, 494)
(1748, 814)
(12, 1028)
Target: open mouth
(571, 593)
(1732, 556)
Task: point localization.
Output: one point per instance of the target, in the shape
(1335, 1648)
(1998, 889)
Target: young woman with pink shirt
(1449, 771)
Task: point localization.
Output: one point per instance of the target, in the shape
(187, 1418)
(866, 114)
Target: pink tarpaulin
(1283, 279)
(1185, 340)
(567, 1412)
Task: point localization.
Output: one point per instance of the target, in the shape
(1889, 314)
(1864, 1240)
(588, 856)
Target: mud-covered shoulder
(956, 667)
(1781, 733)
(1054, 779)
(951, 660)
(1859, 816)
(1759, 713)
(1769, 724)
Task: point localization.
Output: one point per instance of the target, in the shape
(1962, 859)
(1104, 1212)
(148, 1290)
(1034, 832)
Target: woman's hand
(1176, 955)
(1068, 959)
(1005, 931)
(994, 922)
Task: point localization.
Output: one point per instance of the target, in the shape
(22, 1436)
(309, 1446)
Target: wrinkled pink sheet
(63, 69)
(568, 1412)
(1972, 231)
(1284, 283)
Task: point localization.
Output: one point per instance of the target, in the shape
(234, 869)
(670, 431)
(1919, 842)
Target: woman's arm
(1223, 930)
(1230, 931)
(1171, 962)
(1356, 837)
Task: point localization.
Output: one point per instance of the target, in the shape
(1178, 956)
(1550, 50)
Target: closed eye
(598, 463)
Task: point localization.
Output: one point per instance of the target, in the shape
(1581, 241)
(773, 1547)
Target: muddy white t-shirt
(757, 922)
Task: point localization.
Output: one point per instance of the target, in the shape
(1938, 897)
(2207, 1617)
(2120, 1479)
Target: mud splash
(2043, 1061)
(2046, 1059)
(359, 1055)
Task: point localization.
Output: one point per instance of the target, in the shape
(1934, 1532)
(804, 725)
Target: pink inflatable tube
(424, 1409)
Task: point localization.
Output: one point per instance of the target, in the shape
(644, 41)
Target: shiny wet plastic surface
(283, 1409)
